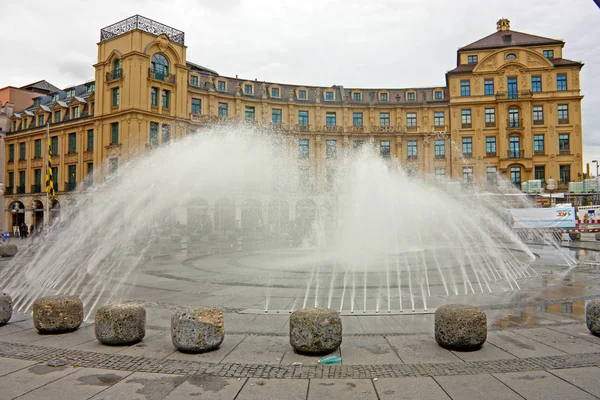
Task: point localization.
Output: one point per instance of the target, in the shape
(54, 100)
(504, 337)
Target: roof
(564, 61)
(40, 86)
(496, 40)
(200, 68)
(556, 61)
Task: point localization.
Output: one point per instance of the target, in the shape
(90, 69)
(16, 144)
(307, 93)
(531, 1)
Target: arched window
(117, 64)
(160, 64)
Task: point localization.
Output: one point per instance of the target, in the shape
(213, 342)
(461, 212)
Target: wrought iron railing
(143, 24)
(490, 154)
(467, 125)
(36, 188)
(538, 122)
(490, 124)
(8, 190)
(516, 153)
(467, 155)
(21, 189)
(114, 74)
(514, 123)
(161, 76)
(539, 153)
(563, 120)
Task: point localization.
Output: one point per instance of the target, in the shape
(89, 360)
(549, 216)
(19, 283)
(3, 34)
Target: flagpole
(47, 213)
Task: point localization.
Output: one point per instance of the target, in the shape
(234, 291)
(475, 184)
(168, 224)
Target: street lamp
(596, 161)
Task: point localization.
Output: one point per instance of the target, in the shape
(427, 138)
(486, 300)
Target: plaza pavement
(533, 351)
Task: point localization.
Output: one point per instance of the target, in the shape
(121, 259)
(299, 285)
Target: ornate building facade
(511, 106)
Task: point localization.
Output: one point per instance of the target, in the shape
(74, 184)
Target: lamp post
(596, 161)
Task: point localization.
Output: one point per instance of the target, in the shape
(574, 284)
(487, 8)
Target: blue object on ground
(330, 360)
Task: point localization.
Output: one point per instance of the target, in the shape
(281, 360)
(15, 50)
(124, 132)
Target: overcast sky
(355, 43)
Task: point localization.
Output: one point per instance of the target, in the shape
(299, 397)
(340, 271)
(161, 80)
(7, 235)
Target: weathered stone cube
(8, 250)
(575, 235)
(196, 330)
(57, 314)
(592, 316)
(120, 324)
(5, 308)
(315, 330)
(597, 236)
(460, 327)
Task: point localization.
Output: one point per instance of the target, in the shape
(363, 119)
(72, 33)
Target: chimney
(503, 24)
(9, 108)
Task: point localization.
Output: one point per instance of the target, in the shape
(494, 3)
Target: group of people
(22, 230)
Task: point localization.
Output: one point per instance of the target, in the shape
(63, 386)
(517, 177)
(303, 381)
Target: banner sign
(531, 218)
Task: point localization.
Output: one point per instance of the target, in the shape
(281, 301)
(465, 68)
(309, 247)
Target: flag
(49, 177)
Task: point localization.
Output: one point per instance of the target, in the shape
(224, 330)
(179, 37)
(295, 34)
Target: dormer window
(472, 59)
(329, 96)
(248, 89)
(438, 95)
(70, 93)
(356, 96)
(275, 92)
(383, 97)
(55, 97)
(90, 88)
(221, 86)
(549, 53)
(302, 94)
(507, 38)
(75, 112)
(40, 120)
(36, 102)
(410, 96)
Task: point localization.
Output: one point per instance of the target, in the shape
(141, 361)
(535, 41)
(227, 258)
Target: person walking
(25, 230)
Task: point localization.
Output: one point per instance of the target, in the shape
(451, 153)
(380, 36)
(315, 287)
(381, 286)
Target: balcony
(9, 190)
(563, 120)
(302, 128)
(490, 154)
(467, 155)
(70, 186)
(333, 128)
(539, 153)
(160, 76)
(114, 75)
(514, 123)
(411, 128)
(516, 154)
(21, 189)
(490, 124)
(538, 122)
(467, 125)
(439, 128)
(412, 158)
(564, 152)
(36, 188)
(440, 156)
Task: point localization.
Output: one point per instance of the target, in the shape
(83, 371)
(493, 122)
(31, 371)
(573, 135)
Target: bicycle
(4, 238)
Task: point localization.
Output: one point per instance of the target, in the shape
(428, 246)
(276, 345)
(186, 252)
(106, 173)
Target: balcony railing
(70, 186)
(563, 120)
(490, 154)
(514, 123)
(36, 188)
(143, 24)
(21, 189)
(114, 75)
(467, 125)
(302, 128)
(439, 128)
(440, 156)
(491, 124)
(467, 155)
(516, 153)
(412, 158)
(333, 128)
(564, 152)
(358, 129)
(8, 190)
(160, 76)
(538, 122)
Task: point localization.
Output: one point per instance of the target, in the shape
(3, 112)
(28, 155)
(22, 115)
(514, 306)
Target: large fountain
(377, 240)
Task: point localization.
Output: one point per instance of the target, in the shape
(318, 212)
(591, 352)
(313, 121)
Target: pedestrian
(25, 230)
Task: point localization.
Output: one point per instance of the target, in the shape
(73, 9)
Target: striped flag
(49, 177)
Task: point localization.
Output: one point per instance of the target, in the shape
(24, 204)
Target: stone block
(574, 235)
(8, 250)
(592, 316)
(460, 327)
(57, 314)
(315, 330)
(120, 324)
(597, 236)
(5, 308)
(196, 330)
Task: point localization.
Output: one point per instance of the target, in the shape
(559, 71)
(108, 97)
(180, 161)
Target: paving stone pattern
(242, 370)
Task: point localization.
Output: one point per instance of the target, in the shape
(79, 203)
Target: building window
(302, 94)
(194, 80)
(488, 87)
(467, 147)
(276, 115)
(563, 143)
(55, 179)
(160, 66)
(248, 89)
(70, 93)
(466, 118)
(563, 113)
(303, 118)
(72, 176)
(410, 96)
(54, 145)
(438, 118)
(536, 83)
(511, 56)
(514, 147)
(330, 149)
(440, 176)
(250, 113)
(411, 149)
(154, 141)
(565, 173)
(329, 96)
(440, 148)
(166, 97)
(383, 97)
(539, 172)
(356, 96)
(221, 86)
(438, 95)
(223, 110)
(90, 172)
(513, 118)
(490, 117)
(490, 146)
(115, 97)
(166, 133)
(37, 181)
(357, 119)
(303, 148)
(75, 112)
(471, 59)
(384, 149)
(90, 88)
(561, 82)
(491, 175)
(538, 145)
(72, 143)
(90, 140)
(40, 120)
(114, 133)
(22, 151)
(275, 92)
(549, 53)
(467, 175)
(154, 96)
(196, 106)
(512, 88)
(515, 175)
(538, 115)
(465, 88)
(113, 165)
(57, 116)
(384, 119)
(21, 188)
(411, 119)
(330, 119)
(38, 148)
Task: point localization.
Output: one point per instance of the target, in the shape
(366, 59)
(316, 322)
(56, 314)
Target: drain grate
(357, 313)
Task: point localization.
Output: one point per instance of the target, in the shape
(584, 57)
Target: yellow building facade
(146, 93)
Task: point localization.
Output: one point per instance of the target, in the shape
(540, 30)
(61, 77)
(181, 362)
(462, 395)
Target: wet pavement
(537, 347)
